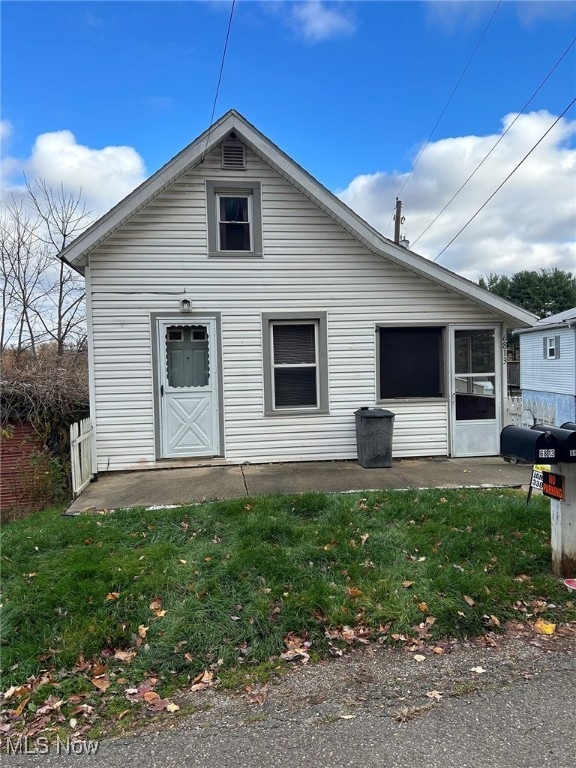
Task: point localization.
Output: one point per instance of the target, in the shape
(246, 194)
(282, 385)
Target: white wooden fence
(81, 435)
(522, 412)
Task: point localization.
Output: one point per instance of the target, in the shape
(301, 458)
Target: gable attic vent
(233, 156)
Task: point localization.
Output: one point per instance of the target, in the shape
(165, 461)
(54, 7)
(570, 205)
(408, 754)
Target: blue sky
(351, 90)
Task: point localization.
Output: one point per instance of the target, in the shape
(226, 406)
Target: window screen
(411, 362)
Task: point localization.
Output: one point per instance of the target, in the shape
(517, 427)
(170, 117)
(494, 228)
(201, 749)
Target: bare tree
(63, 216)
(42, 297)
(24, 266)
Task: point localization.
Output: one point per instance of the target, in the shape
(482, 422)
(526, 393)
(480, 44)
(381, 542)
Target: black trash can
(374, 428)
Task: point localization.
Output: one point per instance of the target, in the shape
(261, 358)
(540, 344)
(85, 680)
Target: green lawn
(230, 585)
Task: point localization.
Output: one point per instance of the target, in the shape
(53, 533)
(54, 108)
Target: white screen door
(188, 388)
(475, 396)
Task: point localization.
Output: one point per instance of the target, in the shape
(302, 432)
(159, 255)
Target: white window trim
(223, 194)
(552, 347)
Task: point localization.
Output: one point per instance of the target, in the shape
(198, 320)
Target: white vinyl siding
(309, 264)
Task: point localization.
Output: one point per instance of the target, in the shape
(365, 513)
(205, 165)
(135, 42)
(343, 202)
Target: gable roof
(77, 253)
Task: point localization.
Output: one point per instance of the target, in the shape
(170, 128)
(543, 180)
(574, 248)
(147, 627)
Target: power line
(451, 96)
(512, 172)
(435, 219)
(221, 70)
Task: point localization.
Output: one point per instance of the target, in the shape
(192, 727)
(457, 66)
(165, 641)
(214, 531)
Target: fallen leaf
(407, 584)
(20, 707)
(112, 595)
(124, 655)
(354, 592)
(434, 695)
(469, 600)
(151, 696)
(14, 690)
(101, 683)
(478, 670)
(142, 630)
(423, 607)
(171, 707)
(205, 679)
(544, 627)
(419, 657)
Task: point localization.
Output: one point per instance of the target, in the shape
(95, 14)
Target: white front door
(188, 387)
(475, 391)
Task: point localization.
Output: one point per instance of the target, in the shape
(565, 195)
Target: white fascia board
(545, 329)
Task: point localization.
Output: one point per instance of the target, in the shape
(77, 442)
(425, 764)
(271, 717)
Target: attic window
(233, 156)
(234, 215)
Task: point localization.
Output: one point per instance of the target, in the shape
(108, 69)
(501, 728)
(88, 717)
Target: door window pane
(475, 398)
(474, 351)
(187, 357)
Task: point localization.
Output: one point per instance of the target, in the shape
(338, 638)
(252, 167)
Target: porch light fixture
(185, 305)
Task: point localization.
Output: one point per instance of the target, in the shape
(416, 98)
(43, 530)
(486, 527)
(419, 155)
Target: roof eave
(544, 328)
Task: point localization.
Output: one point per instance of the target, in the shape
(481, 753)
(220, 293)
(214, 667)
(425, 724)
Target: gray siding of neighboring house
(541, 375)
(550, 383)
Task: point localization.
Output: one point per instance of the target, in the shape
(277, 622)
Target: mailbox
(568, 425)
(531, 446)
(567, 440)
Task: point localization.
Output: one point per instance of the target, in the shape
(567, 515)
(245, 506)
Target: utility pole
(397, 220)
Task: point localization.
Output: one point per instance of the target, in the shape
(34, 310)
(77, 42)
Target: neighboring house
(548, 364)
(238, 311)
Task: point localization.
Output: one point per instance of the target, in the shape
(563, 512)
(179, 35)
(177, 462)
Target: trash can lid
(374, 413)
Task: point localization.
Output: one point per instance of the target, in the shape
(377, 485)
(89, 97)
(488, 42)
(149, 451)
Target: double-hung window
(551, 347)
(234, 221)
(234, 213)
(295, 363)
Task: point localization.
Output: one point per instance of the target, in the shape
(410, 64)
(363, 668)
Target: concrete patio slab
(124, 490)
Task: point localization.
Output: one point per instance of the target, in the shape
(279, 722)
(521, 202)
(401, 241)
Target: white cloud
(530, 222)
(316, 21)
(105, 175)
(454, 15)
(5, 130)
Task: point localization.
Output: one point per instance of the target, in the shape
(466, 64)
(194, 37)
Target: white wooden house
(238, 311)
(548, 365)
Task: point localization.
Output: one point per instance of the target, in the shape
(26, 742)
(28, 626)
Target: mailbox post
(557, 447)
(562, 492)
